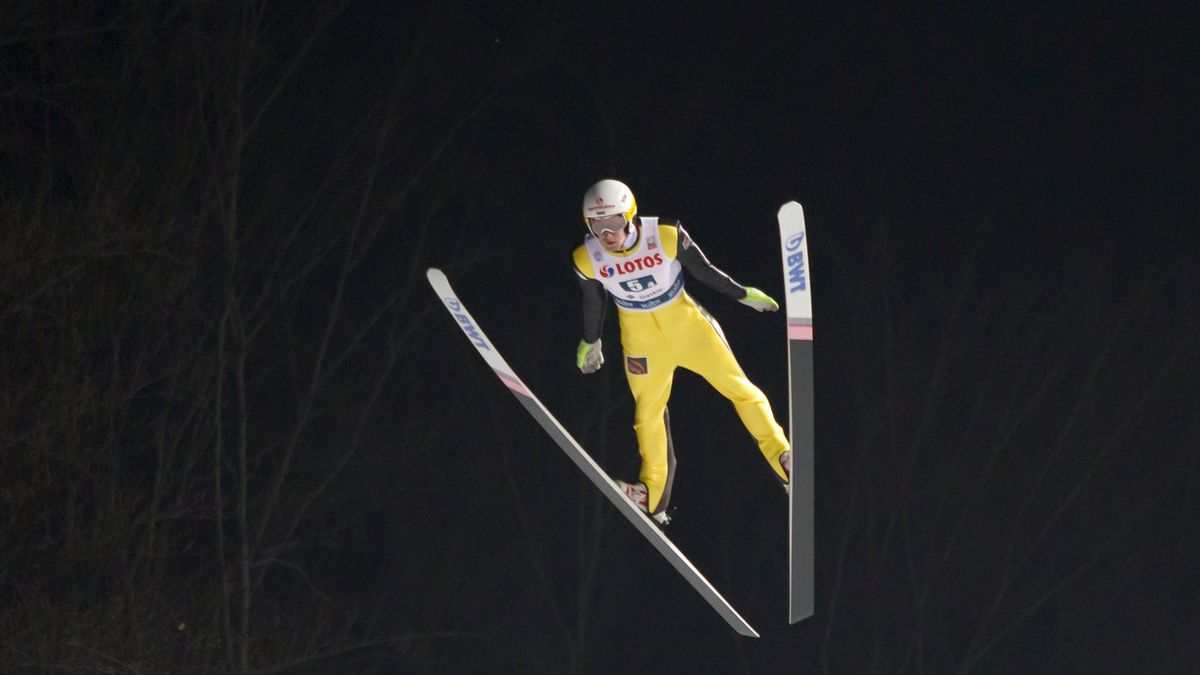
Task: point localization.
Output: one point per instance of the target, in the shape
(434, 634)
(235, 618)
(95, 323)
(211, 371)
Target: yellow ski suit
(663, 328)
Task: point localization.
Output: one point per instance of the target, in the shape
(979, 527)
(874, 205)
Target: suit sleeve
(697, 265)
(592, 293)
(593, 308)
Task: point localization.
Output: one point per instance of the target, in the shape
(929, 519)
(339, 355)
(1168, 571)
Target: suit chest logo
(630, 266)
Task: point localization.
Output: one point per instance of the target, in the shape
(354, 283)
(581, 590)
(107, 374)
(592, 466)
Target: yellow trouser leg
(650, 395)
(755, 412)
(709, 356)
(650, 377)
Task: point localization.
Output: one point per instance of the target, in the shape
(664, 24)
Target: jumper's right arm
(589, 355)
(592, 292)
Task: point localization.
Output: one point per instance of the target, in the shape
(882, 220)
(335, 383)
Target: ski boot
(637, 494)
(785, 463)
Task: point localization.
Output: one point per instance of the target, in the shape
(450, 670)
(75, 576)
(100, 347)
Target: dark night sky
(1001, 203)
(996, 188)
(1026, 161)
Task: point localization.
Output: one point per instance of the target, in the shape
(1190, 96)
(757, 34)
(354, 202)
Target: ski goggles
(614, 223)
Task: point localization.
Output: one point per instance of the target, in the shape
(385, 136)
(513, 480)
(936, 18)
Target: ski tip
(434, 273)
(791, 206)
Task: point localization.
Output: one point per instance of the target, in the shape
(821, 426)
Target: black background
(1001, 208)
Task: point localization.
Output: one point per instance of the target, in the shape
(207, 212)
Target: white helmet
(608, 197)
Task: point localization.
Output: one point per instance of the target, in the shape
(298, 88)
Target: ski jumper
(663, 328)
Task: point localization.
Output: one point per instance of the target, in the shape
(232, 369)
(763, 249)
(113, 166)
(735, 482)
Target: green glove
(589, 356)
(759, 300)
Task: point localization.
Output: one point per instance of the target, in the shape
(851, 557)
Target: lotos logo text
(464, 321)
(630, 266)
(797, 278)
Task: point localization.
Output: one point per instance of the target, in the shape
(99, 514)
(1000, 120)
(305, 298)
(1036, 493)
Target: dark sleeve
(698, 266)
(593, 308)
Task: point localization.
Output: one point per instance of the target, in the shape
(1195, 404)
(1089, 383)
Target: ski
(797, 280)
(580, 457)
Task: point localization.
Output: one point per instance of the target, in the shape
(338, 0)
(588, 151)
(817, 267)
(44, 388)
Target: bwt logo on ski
(628, 266)
(795, 264)
(469, 328)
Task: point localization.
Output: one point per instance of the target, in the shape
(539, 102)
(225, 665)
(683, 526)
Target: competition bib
(643, 278)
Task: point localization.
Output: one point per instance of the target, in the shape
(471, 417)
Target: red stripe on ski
(515, 385)
(799, 332)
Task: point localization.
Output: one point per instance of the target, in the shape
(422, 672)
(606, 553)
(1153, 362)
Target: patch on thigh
(636, 365)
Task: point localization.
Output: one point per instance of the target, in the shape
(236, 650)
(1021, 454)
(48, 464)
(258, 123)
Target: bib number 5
(638, 285)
